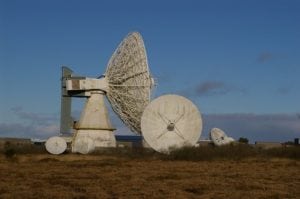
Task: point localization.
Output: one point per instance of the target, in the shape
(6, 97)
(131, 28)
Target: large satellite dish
(127, 84)
(219, 137)
(129, 81)
(171, 122)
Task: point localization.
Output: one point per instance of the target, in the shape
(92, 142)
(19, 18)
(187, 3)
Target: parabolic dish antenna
(219, 137)
(171, 122)
(129, 81)
(56, 145)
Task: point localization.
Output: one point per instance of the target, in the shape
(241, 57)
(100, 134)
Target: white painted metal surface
(95, 114)
(219, 137)
(56, 145)
(171, 122)
(87, 84)
(129, 81)
(101, 138)
(83, 145)
(94, 123)
(127, 84)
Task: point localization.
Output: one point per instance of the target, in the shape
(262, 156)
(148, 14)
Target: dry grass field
(106, 175)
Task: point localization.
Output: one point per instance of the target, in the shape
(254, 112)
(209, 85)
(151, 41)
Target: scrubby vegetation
(243, 140)
(232, 171)
(211, 153)
(140, 173)
(129, 152)
(232, 152)
(11, 149)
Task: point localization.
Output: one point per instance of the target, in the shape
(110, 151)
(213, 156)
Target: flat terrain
(104, 176)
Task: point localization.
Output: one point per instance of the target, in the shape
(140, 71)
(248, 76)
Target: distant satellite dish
(171, 122)
(219, 137)
(83, 145)
(56, 145)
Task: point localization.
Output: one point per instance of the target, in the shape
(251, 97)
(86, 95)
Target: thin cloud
(42, 126)
(14, 130)
(28, 130)
(210, 88)
(264, 57)
(34, 118)
(30, 125)
(283, 91)
(267, 56)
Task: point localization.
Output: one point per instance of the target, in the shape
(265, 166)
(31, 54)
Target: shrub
(292, 152)
(243, 140)
(234, 152)
(9, 152)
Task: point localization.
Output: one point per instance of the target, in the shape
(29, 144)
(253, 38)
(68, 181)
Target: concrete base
(94, 129)
(100, 138)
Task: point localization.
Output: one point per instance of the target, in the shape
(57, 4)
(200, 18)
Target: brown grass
(145, 174)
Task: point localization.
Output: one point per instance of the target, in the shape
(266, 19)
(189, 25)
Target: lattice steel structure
(129, 81)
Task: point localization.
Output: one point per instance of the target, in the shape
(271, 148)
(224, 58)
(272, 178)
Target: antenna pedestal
(127, 85)
(94, 123)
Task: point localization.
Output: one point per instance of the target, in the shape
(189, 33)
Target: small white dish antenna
(219, 137)
(83, 145)
(171, 122)
(56, 145)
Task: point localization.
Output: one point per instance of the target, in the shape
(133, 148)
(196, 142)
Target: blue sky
(238, 61)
